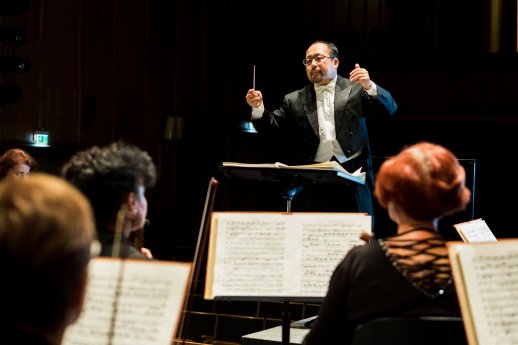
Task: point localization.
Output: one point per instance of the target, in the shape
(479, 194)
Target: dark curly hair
(106, 175)
(425, 179)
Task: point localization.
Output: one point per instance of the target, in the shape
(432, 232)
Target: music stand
(201, 244)
(291, 179)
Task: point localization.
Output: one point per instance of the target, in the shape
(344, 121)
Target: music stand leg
(286, 319)
(288, 195)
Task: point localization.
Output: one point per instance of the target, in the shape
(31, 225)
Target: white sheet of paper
(475, 231)
(274, 254)
(490, 274)
(139, 302)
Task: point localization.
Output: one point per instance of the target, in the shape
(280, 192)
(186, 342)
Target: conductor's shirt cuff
(257, 113)
(373, 91)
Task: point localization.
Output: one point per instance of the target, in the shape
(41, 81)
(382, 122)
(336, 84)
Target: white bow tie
(322, 88)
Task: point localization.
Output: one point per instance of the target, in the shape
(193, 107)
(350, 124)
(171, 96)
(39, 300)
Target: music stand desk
(290, 175)
(291, 180)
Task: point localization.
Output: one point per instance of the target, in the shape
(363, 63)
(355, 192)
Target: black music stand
(291, 179)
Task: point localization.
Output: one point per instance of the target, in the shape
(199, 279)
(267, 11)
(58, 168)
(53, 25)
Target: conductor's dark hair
(332, 48)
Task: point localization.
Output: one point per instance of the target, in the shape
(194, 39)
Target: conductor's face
(320, 67)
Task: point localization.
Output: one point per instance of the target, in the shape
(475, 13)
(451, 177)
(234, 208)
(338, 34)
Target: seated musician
(406, 274)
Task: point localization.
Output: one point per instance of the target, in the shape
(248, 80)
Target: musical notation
(279, 254)
(130, 302)
(486, 276)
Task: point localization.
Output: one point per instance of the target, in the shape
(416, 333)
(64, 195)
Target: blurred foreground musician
(46, 234)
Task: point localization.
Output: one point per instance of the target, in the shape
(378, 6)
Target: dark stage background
(101, 70)
(94, 71)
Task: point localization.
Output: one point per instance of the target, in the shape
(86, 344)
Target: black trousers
(337, 197)
(346, 197)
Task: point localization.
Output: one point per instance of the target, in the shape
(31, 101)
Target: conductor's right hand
(254, 98)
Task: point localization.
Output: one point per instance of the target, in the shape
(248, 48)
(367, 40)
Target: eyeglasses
(318, 59)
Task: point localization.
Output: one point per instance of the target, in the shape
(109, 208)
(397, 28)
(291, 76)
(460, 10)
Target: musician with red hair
(408, 273)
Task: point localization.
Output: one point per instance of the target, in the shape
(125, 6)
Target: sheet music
(130, 302)
(329, 166)
(279, 254)
(475, 231)
(490, 278)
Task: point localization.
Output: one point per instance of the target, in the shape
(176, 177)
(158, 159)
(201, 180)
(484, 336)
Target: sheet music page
(490, 278)
(252, 165)
(475, 231)
(131, 302)
(331, 165)
(324, 240)
(279, 254)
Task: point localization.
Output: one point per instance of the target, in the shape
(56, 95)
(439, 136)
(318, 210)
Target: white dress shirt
(328, 146)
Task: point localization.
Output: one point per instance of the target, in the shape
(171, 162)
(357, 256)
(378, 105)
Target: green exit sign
(41, 137)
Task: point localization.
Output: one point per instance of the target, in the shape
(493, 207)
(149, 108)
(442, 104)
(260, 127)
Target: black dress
(366, 285)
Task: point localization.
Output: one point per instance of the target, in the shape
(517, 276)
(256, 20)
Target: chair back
(422, 330)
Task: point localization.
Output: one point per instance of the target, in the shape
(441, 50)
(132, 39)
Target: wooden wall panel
(109, 69)
(59, 70)
(426, 93)
(97, 49)
(25, 111)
